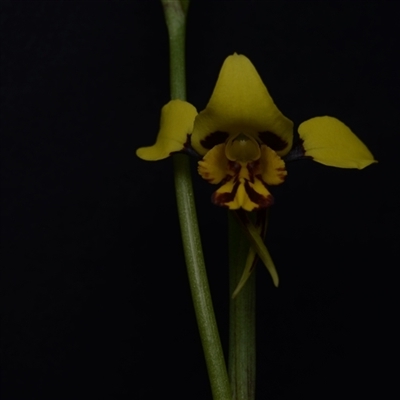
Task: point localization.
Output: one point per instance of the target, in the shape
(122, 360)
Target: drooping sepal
(257, 243)
(260, 219)
(247, 271)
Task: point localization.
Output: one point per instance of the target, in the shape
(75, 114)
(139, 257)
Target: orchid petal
(177, 118)
(272, 167)
(243, 194)
(330, 142)
(215, 166)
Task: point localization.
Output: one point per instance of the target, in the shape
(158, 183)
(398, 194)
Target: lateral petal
(177, 118)
(329, 141)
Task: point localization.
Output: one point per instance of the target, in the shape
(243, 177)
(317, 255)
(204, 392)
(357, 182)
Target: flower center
(242, 148)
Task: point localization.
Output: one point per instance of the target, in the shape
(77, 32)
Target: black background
(95, 300)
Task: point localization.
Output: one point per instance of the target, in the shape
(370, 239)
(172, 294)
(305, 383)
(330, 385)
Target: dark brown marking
(272, 140)
(297, 152)
(234, 166)
(220, 199)
(187, 148)
(213, 139)
(257, 198)
(251, 166)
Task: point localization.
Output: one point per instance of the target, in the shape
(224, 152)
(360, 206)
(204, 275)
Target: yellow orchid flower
(242, 137)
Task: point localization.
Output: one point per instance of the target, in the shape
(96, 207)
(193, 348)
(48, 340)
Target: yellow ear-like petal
(214, 167)
(177, 118)
(241, 103)
(329, 141)
(272, 167)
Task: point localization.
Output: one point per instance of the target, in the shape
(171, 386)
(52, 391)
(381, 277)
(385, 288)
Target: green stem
(175, 15)
(242, 331)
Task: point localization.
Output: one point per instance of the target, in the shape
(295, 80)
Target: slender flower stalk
(175, 15)
(242, 316)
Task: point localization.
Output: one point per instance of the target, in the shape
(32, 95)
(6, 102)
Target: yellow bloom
(242, 136)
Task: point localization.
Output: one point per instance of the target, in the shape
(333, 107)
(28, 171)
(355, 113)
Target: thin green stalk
(175, 15)
(242, 318)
